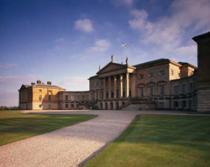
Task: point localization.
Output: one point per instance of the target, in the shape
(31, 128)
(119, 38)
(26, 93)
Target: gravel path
(68, 146)
(71, 145)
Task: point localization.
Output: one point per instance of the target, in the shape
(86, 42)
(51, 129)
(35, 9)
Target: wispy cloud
(101, 45)
(16, 80)
(9, 85)
(84, 25)
(74, 83)
(126, 3)
(167, 32)
(7, 66)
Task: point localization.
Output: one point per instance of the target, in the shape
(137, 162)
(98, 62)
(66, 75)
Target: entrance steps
(137, 107)
(139, 104)
(131, 107)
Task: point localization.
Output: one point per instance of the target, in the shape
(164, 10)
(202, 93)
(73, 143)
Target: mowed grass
(15, 126)
(159, 141)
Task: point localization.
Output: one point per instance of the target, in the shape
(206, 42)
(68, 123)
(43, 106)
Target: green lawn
(16, 126)
(159, 141)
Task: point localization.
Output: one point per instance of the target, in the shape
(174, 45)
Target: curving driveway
(68, 146)
(71, 145)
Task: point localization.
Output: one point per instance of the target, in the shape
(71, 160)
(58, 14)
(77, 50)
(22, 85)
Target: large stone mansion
(158, 84)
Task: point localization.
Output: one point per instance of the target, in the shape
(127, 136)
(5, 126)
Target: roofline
(202, 36)
(122, 65)
(156, 62)
(42, 85)
(85, 91)
(191, 65)
(95, 76)
(109, 64)
(52, 86)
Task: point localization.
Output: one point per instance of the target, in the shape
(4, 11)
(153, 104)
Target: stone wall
(203, 89)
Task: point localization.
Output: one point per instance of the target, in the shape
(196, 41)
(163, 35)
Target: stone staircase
(131, 107)
(139, 104)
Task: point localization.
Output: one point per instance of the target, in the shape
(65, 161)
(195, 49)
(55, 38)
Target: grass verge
(160, 141)
(15, 126)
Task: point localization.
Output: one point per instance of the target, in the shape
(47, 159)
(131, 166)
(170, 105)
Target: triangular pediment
(111, 67)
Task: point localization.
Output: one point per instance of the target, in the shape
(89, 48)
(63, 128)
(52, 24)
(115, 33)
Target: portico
(114, 85)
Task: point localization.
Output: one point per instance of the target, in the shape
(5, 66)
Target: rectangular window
(162, 72)
(112, 94)
(66, 97)
(183, 104)
(66, 105)
(141, 76)
(151, 74)
(107, 94)
(183, 88)
(176, 104)
(191, 87)
(176, 90)
(40, 98)
(151, 91)
(162, 90)
(172, 72)
(49, 97)
(141, 92)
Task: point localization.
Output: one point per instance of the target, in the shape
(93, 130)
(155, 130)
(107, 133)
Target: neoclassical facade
(158, 84)
(39, 96)
(149, 85)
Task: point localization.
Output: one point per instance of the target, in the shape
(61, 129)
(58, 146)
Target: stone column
(109, 87)
(115, 87)
(104, 88)
(127, 86)
(121, 86)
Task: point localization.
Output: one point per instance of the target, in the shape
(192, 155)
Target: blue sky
(65, 41)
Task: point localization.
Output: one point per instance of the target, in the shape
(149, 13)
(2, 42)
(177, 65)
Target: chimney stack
(49, 83)
(39, 82)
